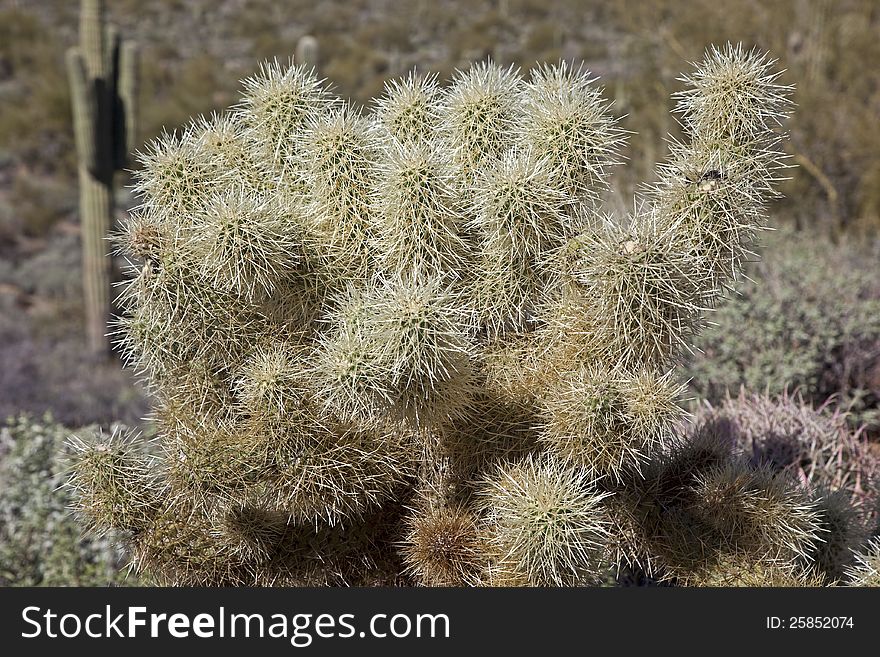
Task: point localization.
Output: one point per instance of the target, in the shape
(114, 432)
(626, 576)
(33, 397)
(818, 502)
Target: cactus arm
(83, 103)
(307, 51)
(128, 88)
(96, 216)
(93, 37)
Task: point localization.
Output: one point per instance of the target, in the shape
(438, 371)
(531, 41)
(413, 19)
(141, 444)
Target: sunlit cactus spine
(103, 75)
(866, 570)
(407, 345)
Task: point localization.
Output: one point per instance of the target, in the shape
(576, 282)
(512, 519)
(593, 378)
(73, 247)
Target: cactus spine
(102, 72)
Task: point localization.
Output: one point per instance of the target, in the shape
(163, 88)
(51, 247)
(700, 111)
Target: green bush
(40, 541)
(810, 321)
(32, 76)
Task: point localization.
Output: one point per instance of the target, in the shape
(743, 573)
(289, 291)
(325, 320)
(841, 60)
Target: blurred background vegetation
(810, 322)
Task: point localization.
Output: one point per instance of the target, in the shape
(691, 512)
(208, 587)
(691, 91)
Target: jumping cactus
(408, 345)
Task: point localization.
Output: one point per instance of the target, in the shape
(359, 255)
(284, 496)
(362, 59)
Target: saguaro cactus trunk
(103, 81)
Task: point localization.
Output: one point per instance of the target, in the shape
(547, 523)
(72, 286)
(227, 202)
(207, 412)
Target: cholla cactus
(866, 572)
(406, 346)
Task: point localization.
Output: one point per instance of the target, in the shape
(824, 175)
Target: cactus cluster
(406, 345)
(103, 75)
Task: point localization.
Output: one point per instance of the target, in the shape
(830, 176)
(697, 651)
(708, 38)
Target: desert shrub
(809, 320)
(52, 274)
(40, 202)
(32, 70)
(40, 373)
(44, 365)
(41, 544)
(544, 40)
(10, 225)
(36, 143)
(195, 86)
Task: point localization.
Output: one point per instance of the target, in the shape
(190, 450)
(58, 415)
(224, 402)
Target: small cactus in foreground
(407, 346)
(103, 73)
